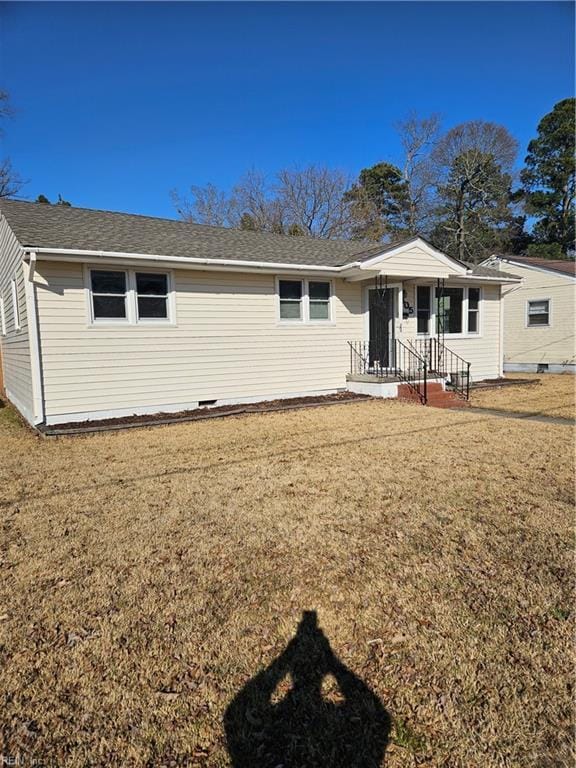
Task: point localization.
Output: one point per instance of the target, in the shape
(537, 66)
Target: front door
(381, 318)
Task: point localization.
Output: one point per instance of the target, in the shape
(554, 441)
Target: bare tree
(473, 165)
(10, 182)
(313, 201)
(207, 205)
(309, 201)
(418, 136)
(260, 210)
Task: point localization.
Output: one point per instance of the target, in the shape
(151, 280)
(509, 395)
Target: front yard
(149, 575)
(547, 395)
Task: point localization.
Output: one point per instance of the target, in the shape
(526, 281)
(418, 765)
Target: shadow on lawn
(306, 710)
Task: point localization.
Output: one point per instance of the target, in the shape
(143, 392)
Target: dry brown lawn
(152, 578)
(553, 395)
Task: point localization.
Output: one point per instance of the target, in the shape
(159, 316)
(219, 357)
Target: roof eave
(182, 262)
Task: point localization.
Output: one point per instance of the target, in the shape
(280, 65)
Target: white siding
(15, 344)
(227, 344)
(416, 262)
(553, 344)
(481, 351)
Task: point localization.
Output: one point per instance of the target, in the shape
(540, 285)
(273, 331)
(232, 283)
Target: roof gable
(415, 256)
(560, 267)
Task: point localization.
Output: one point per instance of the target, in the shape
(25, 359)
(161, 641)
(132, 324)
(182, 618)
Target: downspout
(501, 354)
(34, 342)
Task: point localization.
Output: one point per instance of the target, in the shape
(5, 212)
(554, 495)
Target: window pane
(150, 283)
(319, 310)
(319, 290)
(537, 307)
(423, 297)
(290, 289)
(538, 319)
(290, 310)
(111, 307)
(108, 282)
(152, 307)
(473, 322)
(449, 310)
(423, 309)
(473, 298)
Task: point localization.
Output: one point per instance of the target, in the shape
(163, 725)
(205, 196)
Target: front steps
(438, 397)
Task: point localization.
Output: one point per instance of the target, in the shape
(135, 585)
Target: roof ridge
(272, 235)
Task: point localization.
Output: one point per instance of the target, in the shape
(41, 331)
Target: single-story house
(539, 314)
(107, 315)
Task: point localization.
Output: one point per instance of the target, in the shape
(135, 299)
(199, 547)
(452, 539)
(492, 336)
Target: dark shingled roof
(39, 225)
(54, 226)
(481, 271)
(565, 266)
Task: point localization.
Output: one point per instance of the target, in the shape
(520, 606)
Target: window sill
(127, 324)
(451, 336)
(305, 323)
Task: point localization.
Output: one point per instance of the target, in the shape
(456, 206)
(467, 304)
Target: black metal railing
(442, 361)
(395, 359)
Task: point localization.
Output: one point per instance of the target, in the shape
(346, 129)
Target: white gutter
(76, 255)
(228, 265)
(34, 342)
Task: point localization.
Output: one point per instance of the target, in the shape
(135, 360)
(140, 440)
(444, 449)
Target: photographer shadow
(306, 710)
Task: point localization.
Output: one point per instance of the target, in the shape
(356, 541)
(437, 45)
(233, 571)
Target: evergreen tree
(549, 178)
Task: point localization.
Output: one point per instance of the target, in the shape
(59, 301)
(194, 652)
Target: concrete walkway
(516, 415)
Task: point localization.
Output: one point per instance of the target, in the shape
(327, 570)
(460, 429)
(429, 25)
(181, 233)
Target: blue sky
(117, 103)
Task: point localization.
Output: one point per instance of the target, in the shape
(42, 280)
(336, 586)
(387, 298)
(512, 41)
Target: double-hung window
(319, 298)
(308, 301)
(152, 294)
(291, 294)
(538, 312)
(126, 296)
(473, 310)
(109, 294)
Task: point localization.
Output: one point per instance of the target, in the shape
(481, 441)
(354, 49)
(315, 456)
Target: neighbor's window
(290, 299)
(449, 310)
(473, 310)
(152, 295)
(423, 308)
(108, 294)
(2, 317)
(539, 312)
(15, 307)
(319, 298)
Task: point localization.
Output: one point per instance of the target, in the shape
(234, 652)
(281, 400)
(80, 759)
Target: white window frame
(15, 306)
(170, 302)
(305, 301)
(430, 309)
(2, 316)
(109, 320)
(527, 316)
(291, 320)
(131, 298)
(468, 310)
(464, 333)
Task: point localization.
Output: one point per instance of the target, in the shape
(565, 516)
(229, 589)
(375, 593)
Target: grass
(154, 583)
(553, 395)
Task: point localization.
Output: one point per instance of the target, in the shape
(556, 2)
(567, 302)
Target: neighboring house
(539, 316)
(107, 314)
